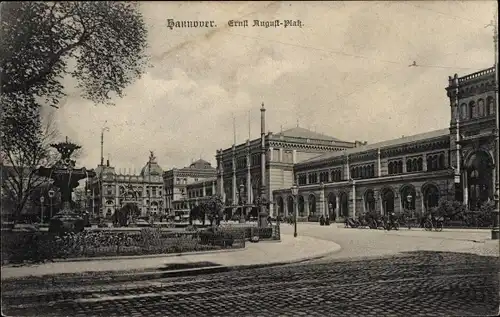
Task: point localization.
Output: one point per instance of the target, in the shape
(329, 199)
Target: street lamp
(51, 195)
(295, 192)
(42, 200)
(240, 202)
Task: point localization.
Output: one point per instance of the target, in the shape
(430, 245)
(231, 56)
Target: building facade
(185, 186)
(111, 190)
(239, 168)
(410, 173)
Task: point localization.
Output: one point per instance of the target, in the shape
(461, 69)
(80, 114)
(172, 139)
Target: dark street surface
(414, 283)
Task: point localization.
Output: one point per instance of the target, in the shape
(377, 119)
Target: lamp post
(240, 202)
(51, 195)
(295, 192)
(42, 200)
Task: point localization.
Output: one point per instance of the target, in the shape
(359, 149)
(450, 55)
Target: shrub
(449, 208)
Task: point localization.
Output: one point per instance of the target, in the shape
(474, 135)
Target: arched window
(429, 163)
(400, 167)
(414, 164)
(370, 201)
(490, 106)
(408, 166)
(290, 206)
(408, 197)
(312, 205)
(472, 110)
(463, 111)
(431, 197)
(344, 205)
(480, 108)
(390, 168)
(441, 163)
(434, 162)
(420, 164)
(301, 207)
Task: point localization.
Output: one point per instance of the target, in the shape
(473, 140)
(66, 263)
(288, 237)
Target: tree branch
(40, 77)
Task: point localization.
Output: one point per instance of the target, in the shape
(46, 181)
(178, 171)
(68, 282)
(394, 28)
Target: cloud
(345, 73)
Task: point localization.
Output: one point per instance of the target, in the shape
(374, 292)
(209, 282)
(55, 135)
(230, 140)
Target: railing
(476, 75)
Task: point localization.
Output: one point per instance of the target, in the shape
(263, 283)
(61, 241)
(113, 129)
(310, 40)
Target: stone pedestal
(262, 219)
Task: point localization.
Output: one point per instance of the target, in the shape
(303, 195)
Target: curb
(103, 277)
(149, 256)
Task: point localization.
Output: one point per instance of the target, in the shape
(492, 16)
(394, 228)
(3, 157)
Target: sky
(344, 73)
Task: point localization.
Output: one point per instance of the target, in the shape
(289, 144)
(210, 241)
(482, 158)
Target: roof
(383, 144)
(155, 169)
(299, 132)
(201, 164)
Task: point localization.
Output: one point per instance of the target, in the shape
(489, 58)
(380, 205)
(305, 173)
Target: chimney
(107, 162)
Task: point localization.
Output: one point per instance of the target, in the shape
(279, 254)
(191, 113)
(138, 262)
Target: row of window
(199, 192)
(476, 110)
(120, 203)
(366, 171)
(435, 162)
(155, 191)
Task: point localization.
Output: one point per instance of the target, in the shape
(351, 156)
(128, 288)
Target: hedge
(19, 247)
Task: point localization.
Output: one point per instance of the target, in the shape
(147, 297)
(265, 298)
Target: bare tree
(20, 158)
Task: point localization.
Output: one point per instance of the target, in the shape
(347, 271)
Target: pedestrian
(334, 217)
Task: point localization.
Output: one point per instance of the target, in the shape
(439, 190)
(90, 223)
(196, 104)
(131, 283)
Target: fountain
(66, 178)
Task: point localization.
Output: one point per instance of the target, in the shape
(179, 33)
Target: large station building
(414, 172)
(239, 168)
(112, 189)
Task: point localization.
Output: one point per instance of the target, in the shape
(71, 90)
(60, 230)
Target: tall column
(457, 119)
(294, 156)
(465, 189)
(204, 190)
(322, 200)
(353, 199)
(263, 212)
(213, 188)
(422, 198)
(271, 158)
(379, 163)
(348, 171)
(234, 189)
(424, 162)
(220, 175)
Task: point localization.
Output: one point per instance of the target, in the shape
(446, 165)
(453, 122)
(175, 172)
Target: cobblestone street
(423, 283)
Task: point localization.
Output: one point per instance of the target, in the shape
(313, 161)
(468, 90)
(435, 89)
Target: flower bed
(18, 247)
